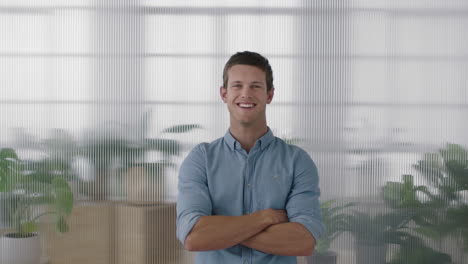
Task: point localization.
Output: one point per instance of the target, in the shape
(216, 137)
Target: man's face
(246, 94)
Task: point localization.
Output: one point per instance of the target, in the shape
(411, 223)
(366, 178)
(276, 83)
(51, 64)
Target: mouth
(246, 105)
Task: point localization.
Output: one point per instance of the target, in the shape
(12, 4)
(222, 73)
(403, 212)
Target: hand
(272, 217)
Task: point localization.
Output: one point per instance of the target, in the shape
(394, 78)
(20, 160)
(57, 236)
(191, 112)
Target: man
(248, 197)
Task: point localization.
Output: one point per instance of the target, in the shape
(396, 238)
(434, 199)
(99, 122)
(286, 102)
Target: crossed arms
(267, 230)
(288, 232)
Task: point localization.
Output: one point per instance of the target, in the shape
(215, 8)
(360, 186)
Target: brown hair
(252, 59)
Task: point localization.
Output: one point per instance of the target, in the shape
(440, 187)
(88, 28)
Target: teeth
(246, 105)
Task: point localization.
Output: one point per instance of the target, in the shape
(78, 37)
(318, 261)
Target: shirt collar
(263, 141)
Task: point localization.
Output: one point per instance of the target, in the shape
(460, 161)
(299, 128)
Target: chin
(247, 123)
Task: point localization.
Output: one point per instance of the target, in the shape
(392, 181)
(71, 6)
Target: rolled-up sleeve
(303, 204)
(193, 200)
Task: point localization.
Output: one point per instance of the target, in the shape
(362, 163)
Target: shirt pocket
(275, 189)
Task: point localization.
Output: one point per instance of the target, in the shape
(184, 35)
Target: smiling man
(248, 197)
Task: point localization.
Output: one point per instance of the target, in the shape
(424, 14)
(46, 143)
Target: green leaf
(323, 244)
(408, 179)
(9, 169)
(8, 153)
(428, 232)
(61, 225)
(453, 152)
(4, 186)
(415, 252)
(431, 168)
(28, 227)
(458, 216)
(63, 196)
(325, 205)
(334, 222)
(292, 141)
(181, 128)
(334, 210)
(458, 171)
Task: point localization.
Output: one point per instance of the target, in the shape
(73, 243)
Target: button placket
(246, 189)
(248, 178)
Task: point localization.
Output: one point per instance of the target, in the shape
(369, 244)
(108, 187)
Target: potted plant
(112, 155)
(438, 209)
(447, 173)
(8, 166)
(372, 234)
(334, 220)
(414, 251)
(34, 183)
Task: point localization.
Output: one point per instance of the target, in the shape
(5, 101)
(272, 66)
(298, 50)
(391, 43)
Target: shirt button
(248, 185)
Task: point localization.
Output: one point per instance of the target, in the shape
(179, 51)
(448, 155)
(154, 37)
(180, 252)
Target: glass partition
(101, 101)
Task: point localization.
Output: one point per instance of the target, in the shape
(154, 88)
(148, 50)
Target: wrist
(263, 220)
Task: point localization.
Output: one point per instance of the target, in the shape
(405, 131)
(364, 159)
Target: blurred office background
(111, 96)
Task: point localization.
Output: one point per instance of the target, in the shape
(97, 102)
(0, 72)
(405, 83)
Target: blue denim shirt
(221, 178)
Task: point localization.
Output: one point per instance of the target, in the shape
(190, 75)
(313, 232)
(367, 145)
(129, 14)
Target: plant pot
(328, 257)
(25, 250)
(8, 204)
(145, 185)
(371, 254)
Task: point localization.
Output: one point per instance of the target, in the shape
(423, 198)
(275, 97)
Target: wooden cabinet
(146, 234)
(116, 233)
(90, 239)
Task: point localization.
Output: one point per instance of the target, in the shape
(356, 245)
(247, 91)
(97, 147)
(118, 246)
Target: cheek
(231, 97)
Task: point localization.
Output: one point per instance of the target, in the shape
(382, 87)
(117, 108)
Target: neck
(247, 135)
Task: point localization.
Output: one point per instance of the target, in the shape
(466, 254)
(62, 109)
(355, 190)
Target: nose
(246, 92)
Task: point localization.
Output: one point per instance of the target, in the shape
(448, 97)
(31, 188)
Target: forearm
(220, 232)
(286, 239)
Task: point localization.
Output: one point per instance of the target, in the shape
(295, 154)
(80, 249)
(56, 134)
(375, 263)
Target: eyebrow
(254, 82)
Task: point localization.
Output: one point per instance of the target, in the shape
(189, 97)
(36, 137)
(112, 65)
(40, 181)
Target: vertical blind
(111, 95)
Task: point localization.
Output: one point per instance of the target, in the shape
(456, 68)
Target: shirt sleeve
(303, 204)
(193, 200)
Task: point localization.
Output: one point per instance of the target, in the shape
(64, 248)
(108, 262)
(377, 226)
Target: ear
(270, 94)
(223, 93)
